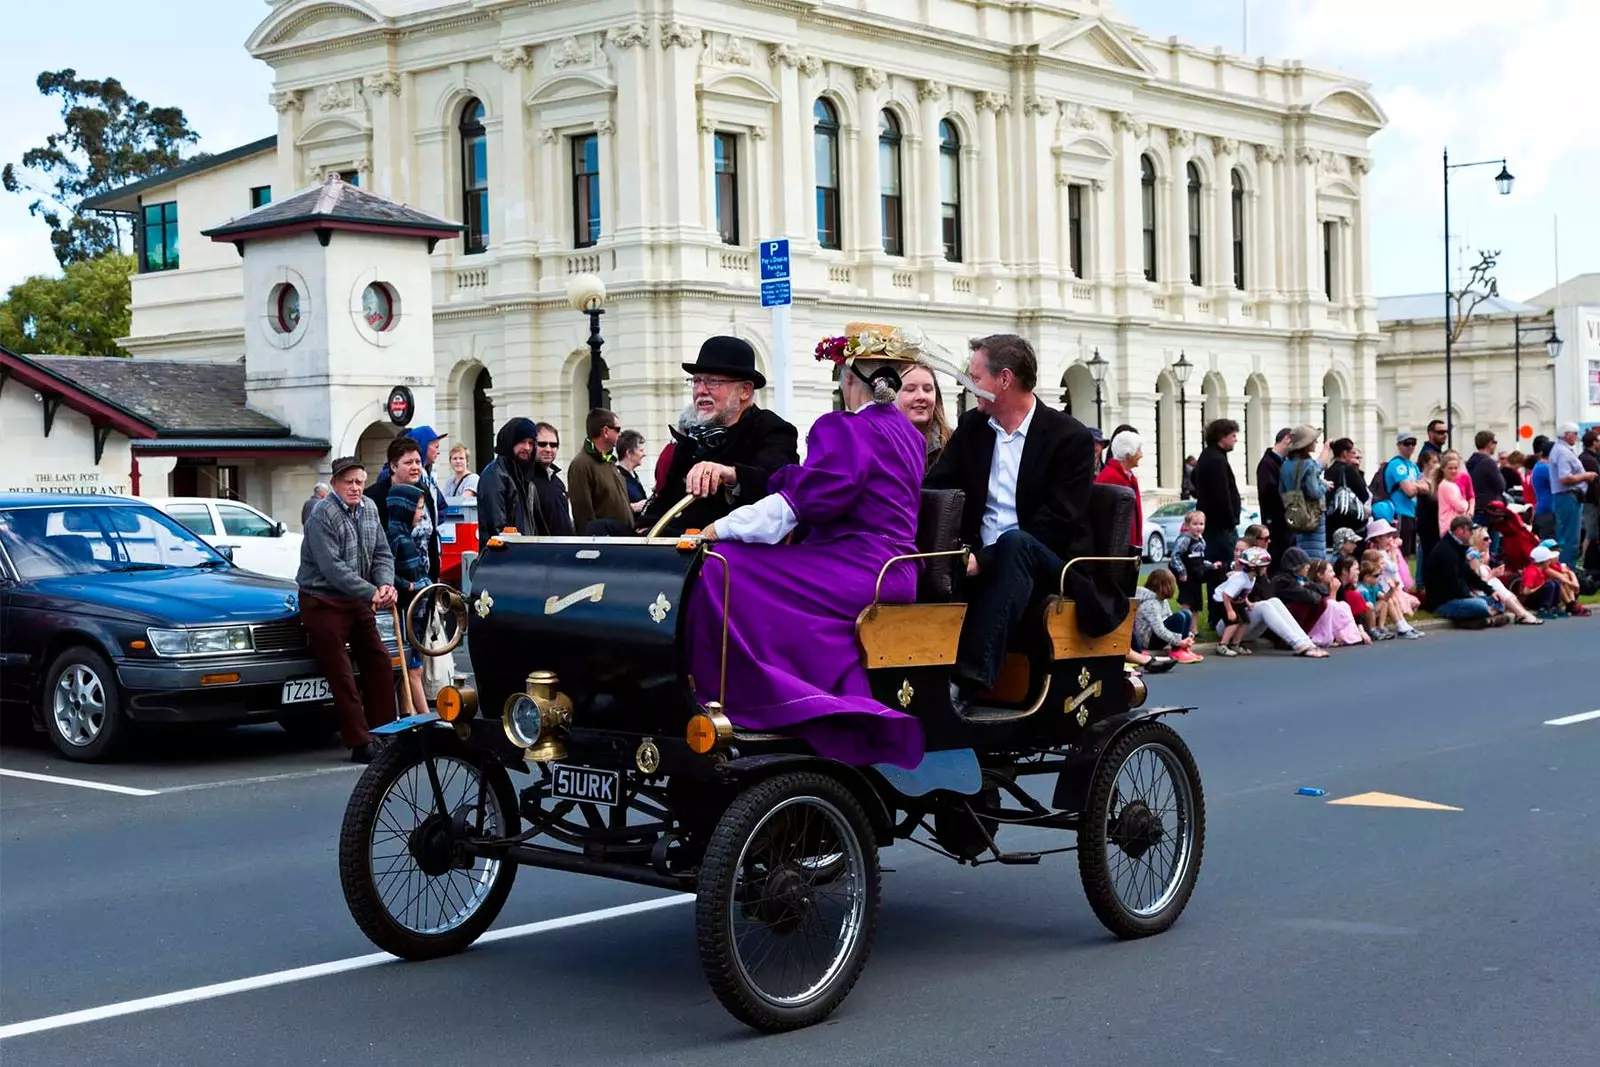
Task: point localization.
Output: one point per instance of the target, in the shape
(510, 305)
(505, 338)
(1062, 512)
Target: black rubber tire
(1093, 847)
(713, 901)
(317, 725)
(355, 851)
(114, 729)
(1155, 548)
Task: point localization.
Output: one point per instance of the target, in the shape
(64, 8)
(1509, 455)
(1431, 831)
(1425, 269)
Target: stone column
(808, 73)
(610, 175)
(289, 104)
(1223, 149)
(1038, 123)
(868, 198)
(1126, 200)
(705, 177)
(926, 215)
(510, 231)
(677, 110)
(763, 218)
(1360, 245)
(382, 91)
(1307, 225)
(790, 144)
(1269, 247)
(630, 177)
(1177, 182)
(990, 104)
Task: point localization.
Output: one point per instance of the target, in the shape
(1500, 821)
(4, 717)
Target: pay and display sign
(775, 273)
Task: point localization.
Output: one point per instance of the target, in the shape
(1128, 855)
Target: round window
(377, 306)
(285, 308)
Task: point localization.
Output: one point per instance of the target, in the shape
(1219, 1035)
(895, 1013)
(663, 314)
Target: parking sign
(775, 291)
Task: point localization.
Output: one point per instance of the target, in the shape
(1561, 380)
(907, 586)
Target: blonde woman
(462, 481)
(1446, 483)
(921, 400)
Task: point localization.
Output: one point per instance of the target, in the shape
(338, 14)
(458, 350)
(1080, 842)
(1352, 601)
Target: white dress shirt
(1000, 510)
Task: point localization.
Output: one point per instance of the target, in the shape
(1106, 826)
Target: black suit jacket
(1052, 482)
(755, 447)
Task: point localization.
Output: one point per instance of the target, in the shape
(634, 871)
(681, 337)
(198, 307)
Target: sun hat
(1256, 557)
(1303, 437)
(1379, 528)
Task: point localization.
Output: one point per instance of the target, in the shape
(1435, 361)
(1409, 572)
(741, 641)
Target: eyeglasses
(700, 380)
(547, 444)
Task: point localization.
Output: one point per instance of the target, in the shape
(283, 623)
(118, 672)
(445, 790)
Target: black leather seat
(939, 530)
(1111, 519)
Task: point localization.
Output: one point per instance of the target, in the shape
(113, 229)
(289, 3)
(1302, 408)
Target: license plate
(585, 784)
(306, 690)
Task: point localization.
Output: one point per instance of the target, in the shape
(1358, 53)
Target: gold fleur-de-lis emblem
(906, 693)
(1083, 678)
(658, 610)
(484, 605)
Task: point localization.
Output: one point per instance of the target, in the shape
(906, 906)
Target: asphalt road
(1319, 934)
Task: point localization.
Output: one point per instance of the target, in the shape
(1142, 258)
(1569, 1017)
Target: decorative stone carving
(810, 65)
(870, 78)
(336, 96)
(1123, 122)
(1038, 105)
(548, 136)
(1180, 138)
(1269, 153)
(1065, 180)
(1097, 184)
(1307, 156)
(509, 59)
(1334, 164)
(630, 36)
(734, 53)
(759, 133)
(286, 101)
(383, 83)
(783, 55)
(993, 101)
(1361, 164)
(571, 53)
(1078, 117)
(605, 127)
(707, 125)
(1224, 146)
(932, 90)
(675, 33)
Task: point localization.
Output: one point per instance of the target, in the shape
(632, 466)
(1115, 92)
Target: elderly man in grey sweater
(346, 574)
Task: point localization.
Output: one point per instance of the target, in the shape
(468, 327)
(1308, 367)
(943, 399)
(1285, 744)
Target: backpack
(1379, 485)
(1302, 513)
(1346, 504)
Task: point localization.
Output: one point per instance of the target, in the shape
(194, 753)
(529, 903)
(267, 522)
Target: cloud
(1366, 28)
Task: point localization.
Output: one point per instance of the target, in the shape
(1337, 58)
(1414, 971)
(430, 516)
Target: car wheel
(83, 706)
(1155, 549)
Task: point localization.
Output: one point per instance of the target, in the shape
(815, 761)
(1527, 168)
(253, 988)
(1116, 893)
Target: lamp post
(1552, 347)
(1502, 182)
(1180, 370)
(1097, 371)
(587, 293)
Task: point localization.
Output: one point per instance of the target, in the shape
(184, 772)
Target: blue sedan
(113, 614)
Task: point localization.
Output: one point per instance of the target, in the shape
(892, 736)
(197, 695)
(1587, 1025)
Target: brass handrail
(673, 512)
(458, 607)
(727, 606)
(1132, 561)
(877, 588)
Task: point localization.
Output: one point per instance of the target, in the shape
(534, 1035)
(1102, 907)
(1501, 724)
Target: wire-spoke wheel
(1143, 832)
(787, 902)
(82, 706)
(409, 886)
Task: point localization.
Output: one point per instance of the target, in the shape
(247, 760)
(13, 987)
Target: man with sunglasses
(726, 447)
(554, 507)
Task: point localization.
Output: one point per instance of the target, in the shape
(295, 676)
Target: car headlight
(522, 721)
(201, 641)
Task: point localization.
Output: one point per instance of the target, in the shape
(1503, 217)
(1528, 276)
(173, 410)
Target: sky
(1487, 78)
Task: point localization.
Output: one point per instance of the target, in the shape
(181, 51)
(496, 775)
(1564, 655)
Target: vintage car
(579, 657)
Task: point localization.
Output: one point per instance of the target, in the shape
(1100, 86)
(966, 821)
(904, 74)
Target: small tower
(338, 299)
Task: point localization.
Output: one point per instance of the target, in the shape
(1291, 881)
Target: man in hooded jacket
(505, 486)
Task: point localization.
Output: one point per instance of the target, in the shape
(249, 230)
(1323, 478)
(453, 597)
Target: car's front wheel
(83, 707)
(1155, 548)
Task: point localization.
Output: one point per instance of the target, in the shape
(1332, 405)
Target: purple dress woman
(793, 661)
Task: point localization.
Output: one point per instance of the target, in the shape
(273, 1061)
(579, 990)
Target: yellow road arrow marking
(1390, 800)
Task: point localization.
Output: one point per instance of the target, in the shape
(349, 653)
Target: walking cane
(405, 673)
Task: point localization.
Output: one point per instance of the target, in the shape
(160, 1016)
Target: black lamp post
(1502, 181)
(1097, 371)
(1181, 370)
(587, 293)
(1552, 347)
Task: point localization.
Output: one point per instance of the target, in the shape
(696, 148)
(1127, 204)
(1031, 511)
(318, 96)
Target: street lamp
(1552, 347)
(587, 293)
(1181, 370)
(1502, 182)
(1097, 371)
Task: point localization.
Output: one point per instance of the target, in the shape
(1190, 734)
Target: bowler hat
(731, 357)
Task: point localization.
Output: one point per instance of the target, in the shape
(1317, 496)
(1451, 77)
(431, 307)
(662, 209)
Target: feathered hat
(874, 341)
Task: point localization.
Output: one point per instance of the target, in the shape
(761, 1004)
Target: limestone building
(1039, 166)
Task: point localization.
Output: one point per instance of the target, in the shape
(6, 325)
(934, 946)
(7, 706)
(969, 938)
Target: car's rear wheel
(787, 902)
(1155, 548)
(83, 706)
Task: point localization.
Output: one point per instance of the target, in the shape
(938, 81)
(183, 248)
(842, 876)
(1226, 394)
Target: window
(260, 196)
(950, 190)
(1196, 250)
(889, 183)
(825, 145)
(474, 177)
(1147, 213)
(1330, 234)
(1237, 209)
(726, 151)
(160, 246)
(243, 522)
(1075, 229)
(585, 190)
(351, 177)
(195, 516)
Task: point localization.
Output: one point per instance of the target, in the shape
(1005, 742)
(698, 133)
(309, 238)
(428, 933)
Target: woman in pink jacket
(1447, 490)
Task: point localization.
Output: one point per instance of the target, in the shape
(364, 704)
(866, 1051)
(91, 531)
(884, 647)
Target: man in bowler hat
(725, 447)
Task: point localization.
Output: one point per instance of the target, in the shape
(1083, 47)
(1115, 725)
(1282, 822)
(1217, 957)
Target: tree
(108, 139)
(81, 313)
(1479, 286)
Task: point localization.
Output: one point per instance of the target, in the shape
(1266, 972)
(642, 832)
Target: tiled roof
(1424, 306)
(126, 197)
(332, 203)
(181, 399)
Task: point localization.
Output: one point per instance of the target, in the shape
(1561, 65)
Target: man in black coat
(545, 480)
(1451, 588)
(505, 489)
(1216, 493)
(1268, 472)
(726, 447)
(1026, 470)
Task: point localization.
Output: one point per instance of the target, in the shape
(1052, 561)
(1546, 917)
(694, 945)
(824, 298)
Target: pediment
(1351, 105)
(313, 20)
(1096, 43)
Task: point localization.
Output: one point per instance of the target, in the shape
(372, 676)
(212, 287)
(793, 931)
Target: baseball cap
(1541, 555)
(1343, 534)
(1405, 437)
(1098, 435)
(342, 464)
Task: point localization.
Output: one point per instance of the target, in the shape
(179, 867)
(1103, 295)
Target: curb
(1425, 625)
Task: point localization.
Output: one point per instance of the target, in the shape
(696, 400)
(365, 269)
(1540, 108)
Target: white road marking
(316, 970)
(1570, 719)
(258, 779)
(104, 787)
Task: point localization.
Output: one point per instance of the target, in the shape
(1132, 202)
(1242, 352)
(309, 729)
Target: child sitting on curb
(1345, 543)
(1552, 585)
(1337, 623)
(1347, 572)
(1248, 613)
(1375, 594)
(1383, 538)
(1156, 627)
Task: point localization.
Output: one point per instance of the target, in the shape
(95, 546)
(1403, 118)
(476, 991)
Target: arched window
(1147, 213)
(474, 177)
(950, 189)
(1237, 209)
(825, 145)
(889, 182)
(1196, 249)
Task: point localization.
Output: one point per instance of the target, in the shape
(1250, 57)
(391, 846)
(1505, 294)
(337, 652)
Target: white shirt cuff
(766, 522)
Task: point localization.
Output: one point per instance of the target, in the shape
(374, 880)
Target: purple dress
(793, 661)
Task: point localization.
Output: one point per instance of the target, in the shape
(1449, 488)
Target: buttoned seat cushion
(939, 530)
